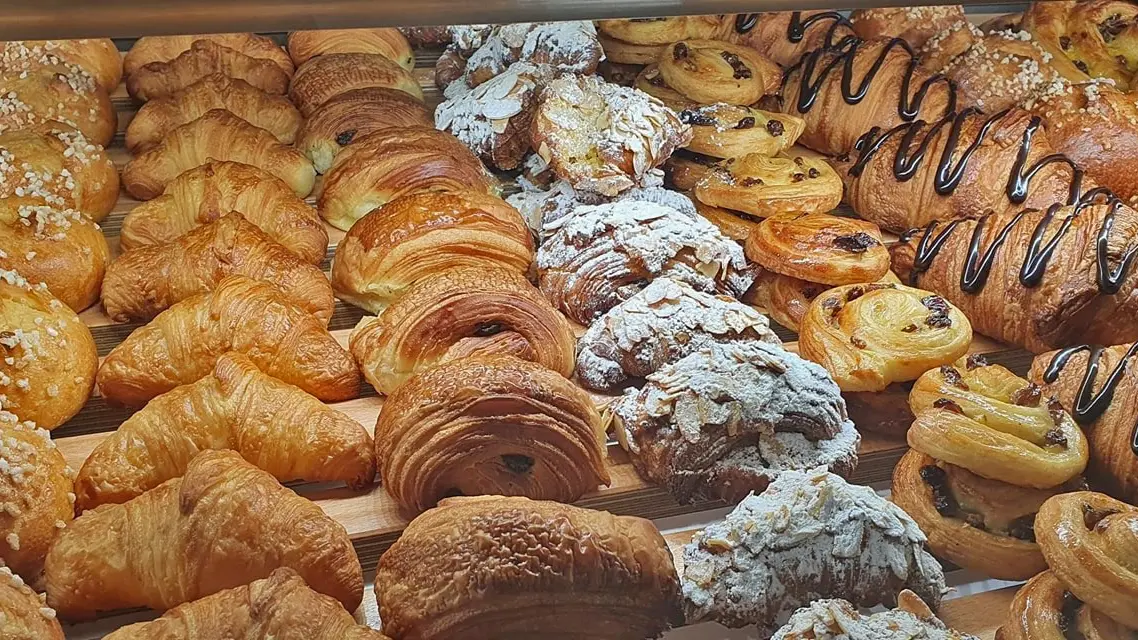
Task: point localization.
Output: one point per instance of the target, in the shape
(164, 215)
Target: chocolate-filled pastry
(456, 313)
(728, 419)
(601, 255)
(24, 614)
(809, 536)
(733, 224)
(602, 137)
(97, 57)
(205, 58)
(144, 282)
(651, 82)
(666, 321)
(710, 71)
(840, 620)
(915, 25)
(627, 52)
(685, 169)
(603, 576)
(354, 114)
(819, 247)
(664, 31)
(869, 336)
(784, 36)
(387, 42)
(325, 77)
(723, 130)
(55, 95)
(764, 186)
(416, 235)
(150, 49)
(1043, 609)
(383, 165)
(489, 425)
(1068, 272)
(56, 166)
(1097, 383)
(60, 248)
(49, 358)
(1100, 38)
(569, 47)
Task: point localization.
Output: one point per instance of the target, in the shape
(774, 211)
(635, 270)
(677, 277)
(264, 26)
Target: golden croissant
(221, 525)
(24, 615)
(61, 248)
(183, 343)
(326, 76)
(53, 95)
(203, 58)
(272, 424)
(387, 42)
(144, 282)
(56, 166)
(218, 135)
(149, 49)
(205, 193)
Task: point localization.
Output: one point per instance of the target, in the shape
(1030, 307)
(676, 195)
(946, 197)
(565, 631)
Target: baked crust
(203, 58)
(710, 71)
(98, 57)
(150, 49)
(327, 76)
(819, 247)
(723, 130)
(56, 97)
(51, 165)
(61, 248)
(387, 42)
(354, 114)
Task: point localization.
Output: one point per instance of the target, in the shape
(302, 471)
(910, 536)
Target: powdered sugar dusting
(569, 47)
(840, 620)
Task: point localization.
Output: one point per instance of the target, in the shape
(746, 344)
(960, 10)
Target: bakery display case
(697, 319)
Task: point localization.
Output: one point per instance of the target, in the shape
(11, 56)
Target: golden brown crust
(57, 166)
(819, 247)
(685, 170)
(997, 71)
(415, 235)
(710, 71)
(730, 223)
(221, 525)
(1042, 610)
(25, 615)
(96, 56)
(150, 49)
(61, 248)
(325, 77)
(608, 577)
(768, 33)
(765, 186)
(203, 194)
(204, 58)
(651, 82)
(786, 300)
(628, 53)
(913, 24)
(354, 114)
(59, 95)
(1098, 38)
(722, 130)
(458, 312)
(183, 344)
(387, 42)
(664, 31)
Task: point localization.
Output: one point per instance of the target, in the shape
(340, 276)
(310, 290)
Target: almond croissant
(183, 343)
(272, 424)
(144, 282)
(223, 524)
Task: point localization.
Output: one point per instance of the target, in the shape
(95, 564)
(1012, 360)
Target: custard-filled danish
(1099, 38)
(765, 186)
(710, 71)
(818, 247)
(724, 130)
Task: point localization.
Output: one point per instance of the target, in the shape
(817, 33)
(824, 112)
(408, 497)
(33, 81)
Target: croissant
(150, 49)
(182, 344)
(458, 312)
(1098, 37)
(35, 491)
(205, 193)
(218, 135)
(36, 95)
(840, 620)
(819, 247)
(272, 424)
(98, 57)
(1043, 609)
(24, 614)
(1096, 383)
(205, 58)
(57, 166)
(355, 114)
(603, 576)
(387, 42)
(324, 77)
(223, 524)
(392, 162)
(784, 36)
(158, 117)
(61, 248)
(1067, 271)
(49, 360)
(415, 235)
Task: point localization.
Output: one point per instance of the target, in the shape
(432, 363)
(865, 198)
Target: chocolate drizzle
(1090, 406)
(798, 27)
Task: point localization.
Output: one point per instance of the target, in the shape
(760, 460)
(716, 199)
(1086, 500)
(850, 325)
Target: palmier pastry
(765, 186)
(659, 325)
(702, 428)
(489, 425)
(183, 344)
(203, 194)
(57, 167)
(915, 25)
(733, 224)
(354, 114)
(49, 358)
(150, 49)
(389, 163)
(35, 489)
(999, 262)
(97, 57)
(155, 119)
(601, 255)
(1100, 37)
(218, 135)
(456, 313)
(685, 169)
(603, 576)
(784, 36)
(53, 96)
(651, 82)
(569, 47)
(628, 53)
(723, 130)
(144, 282)
(810, 535)
(272, 424)
(327, 76)
(25, 615)
(61, 248)
(602, 137)
(205, 58)
(663, 31)
(1043, 609)
(1096, 383)
(869, 336)
(387, 42)
(840, 620)
(415, 235)
(819, 247)
(710, 71)
(223, 524)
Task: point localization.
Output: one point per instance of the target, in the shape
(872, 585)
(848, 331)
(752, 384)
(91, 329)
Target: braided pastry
(60, 248)
(1044, 609)
(819, 247)
(25, 616)
(1099, 37)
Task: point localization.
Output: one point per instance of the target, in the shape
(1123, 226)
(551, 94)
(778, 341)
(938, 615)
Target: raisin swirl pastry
(651, 82)
(666, 321)
(764, 186)
(724, 130)
(601, 255)
(710, 71)
(784, 36)
(987, 451)
(1097, 384)
(840, 620)
(1043, 609)
(818, 247)
(56, 166)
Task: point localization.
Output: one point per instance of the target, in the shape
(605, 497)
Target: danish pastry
(49, 360)
(416, 235)
(98, 57)
(723, 130)
(1097, 37)
(651, 82)
(603, 576)
(456, 313)
(60, 248)
(840, 620)
(150, 49)
(387, 42)
(491, 425)
(25, 615)
(628, 53)
(915, 25)
(204, 58)
(664, 31)
(733, 224)
(710, 71)
(784, 36)
(869, 336)
(50, 96)
(57, 167)
(1043, 609)
(764, 186)
(786, 300)
(685, 170)
(819, 247)
(354, 114)
(327, 76)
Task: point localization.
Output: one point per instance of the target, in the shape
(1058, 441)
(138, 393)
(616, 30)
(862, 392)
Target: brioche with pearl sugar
(97, 57)
(25, 615)
(53, 95)
(54, 165)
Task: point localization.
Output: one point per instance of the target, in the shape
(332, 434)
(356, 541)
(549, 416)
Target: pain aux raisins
(746, 123)
(775, 128)
(741, 72)
(697, 118)
(859, 242)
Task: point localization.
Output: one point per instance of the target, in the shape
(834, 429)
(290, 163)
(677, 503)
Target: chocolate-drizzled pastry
(784, 36)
